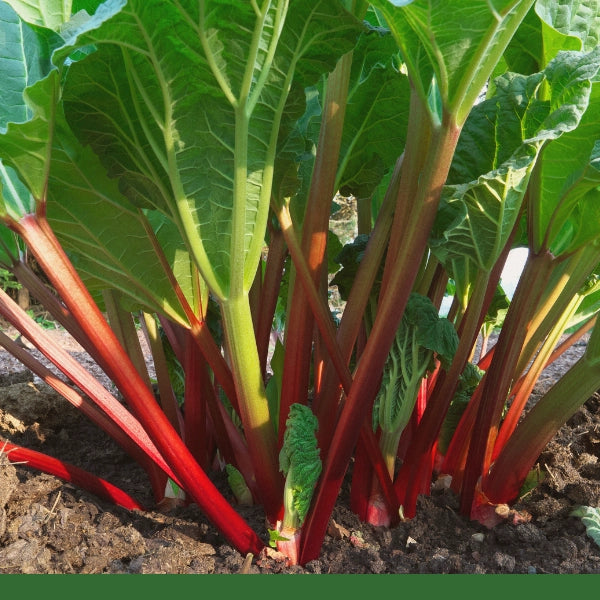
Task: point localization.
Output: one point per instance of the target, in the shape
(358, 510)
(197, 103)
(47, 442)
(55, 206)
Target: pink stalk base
(291, 546)
(378, 513)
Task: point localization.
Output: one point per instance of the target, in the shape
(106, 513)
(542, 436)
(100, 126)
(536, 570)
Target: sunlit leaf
(199, 148)
(435, 42)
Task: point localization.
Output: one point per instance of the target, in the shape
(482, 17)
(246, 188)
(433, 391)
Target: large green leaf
(564, 201)
(376, 115)
(106, 236)
(51, 14)
(497, 151)
(31, 93)
(569, 25)
(43, 162)
(199, 143)
(549, 27)
(24, 58)
(26, 147)
(457, 42)
(375, 125)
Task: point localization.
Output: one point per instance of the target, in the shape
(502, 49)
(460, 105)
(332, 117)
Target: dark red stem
(51, 257)
(499, 376)
(315, 228)
(81, 478)
(418, 200)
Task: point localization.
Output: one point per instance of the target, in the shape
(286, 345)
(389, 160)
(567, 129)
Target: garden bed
(48, 526)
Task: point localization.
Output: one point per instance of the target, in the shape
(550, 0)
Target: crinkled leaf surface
(568, 25)
(565, 202)
(188, 97)
(549, 27)
(497, 151)
(422, 336)
(299, 458)
(590, 516)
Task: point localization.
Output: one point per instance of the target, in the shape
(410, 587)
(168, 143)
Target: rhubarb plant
(175, 165)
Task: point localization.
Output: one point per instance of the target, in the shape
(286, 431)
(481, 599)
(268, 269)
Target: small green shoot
(275, 537)
(238, 486)
(590, 517)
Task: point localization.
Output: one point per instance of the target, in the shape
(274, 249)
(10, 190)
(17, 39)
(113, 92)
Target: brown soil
(48, 526)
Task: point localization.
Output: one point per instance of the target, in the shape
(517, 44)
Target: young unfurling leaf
(422, 337)
(300, 462)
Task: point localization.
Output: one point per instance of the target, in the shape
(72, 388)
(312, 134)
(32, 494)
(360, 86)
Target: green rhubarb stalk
(545, 355)
(524, 386)
(121, 322)
(253, 403)
(168, 398)
(567, 280)
(238, 486)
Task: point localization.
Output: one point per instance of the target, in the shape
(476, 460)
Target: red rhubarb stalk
(415, 214)
(300, 330)
(79, 477)
(51, 257)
